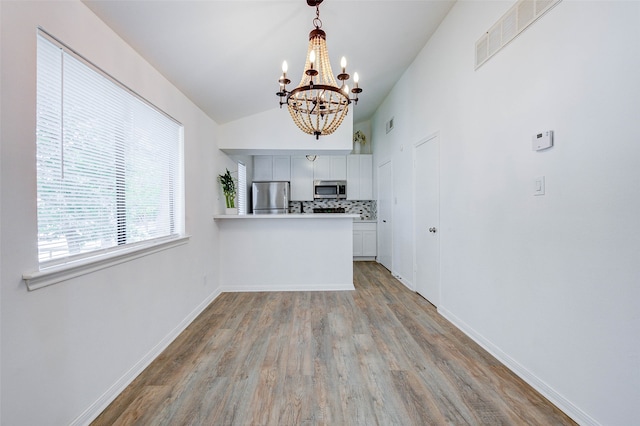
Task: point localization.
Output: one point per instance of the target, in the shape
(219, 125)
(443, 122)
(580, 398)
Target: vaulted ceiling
(226, 56)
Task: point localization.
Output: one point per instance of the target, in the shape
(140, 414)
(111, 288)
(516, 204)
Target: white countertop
(287, 216)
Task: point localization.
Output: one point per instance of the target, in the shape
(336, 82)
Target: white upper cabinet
(271, 167)
(262, 167)
(330, 167)
(281, 167)
(338, 167)
(301, 179)
(322, 168)
(355, 169)
(360, 177)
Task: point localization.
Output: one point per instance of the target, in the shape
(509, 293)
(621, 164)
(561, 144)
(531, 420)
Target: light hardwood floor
(379, 355)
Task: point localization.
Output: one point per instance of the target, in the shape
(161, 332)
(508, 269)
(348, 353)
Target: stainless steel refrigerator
(270, 197)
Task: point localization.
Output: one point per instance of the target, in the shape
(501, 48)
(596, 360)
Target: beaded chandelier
(318, 105)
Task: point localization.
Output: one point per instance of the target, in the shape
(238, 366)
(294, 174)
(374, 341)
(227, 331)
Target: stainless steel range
(329, 210)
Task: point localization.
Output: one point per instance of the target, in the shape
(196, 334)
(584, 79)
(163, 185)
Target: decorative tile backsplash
(366, 209)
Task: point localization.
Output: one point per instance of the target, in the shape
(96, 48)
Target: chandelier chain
(316, 21)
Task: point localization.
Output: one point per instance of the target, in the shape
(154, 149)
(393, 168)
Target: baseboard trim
(94, 410)
(406, 283)
(538, 384)
(253, 288)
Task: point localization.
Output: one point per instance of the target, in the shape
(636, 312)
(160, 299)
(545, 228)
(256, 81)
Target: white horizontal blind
(242, 188)
(109, 165)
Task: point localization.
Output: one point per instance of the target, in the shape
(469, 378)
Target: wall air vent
(512, 23)
(389, 125)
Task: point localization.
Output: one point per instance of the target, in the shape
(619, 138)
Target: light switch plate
(538, 185)
(542, 140)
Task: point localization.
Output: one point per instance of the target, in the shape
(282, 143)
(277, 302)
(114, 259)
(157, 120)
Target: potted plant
(359, 139)
(229, 190)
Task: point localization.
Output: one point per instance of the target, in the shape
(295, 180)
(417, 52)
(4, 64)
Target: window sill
(60, 273)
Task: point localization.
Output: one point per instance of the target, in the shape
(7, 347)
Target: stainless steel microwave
(330, 189)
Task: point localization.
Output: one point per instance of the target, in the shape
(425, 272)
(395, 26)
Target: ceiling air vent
(512, 23)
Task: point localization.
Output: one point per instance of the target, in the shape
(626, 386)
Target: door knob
(434, 230)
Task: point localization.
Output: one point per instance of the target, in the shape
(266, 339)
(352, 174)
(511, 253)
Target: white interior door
(385, 195)
(427, 218)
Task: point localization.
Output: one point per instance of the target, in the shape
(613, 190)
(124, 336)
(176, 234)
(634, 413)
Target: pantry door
(427, 218)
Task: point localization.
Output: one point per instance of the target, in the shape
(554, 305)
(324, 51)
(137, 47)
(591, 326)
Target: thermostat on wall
(542, 140)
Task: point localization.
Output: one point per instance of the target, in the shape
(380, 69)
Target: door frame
(379, 227)
(421, 142)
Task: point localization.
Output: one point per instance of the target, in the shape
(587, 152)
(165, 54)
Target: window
(109, 164)
(242, 188)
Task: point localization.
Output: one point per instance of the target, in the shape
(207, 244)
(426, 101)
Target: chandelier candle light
(318, 105)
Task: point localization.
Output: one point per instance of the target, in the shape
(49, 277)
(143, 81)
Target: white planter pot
(231, 210)
(356, 148)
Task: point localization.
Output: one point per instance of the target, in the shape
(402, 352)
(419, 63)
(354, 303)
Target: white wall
(67, 348)
(0, 226)
(274, 132)
(0, 216)
(550, 284)
(364, 127)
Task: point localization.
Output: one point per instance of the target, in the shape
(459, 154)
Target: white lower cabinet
(364, 240)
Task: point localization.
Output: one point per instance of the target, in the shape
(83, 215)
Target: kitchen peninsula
(286, 252)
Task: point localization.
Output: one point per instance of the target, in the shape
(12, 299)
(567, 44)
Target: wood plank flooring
(379, 355)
